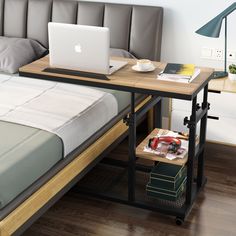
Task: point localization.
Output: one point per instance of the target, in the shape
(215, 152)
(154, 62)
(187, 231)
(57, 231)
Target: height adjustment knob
(186, 121)
(198, 106)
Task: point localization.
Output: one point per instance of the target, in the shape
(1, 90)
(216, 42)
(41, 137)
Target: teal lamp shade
(212, 29)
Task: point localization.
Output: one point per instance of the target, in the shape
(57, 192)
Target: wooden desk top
(223, 85)
(126, 79)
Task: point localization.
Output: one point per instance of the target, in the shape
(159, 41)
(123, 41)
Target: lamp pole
(226, 45)
(222, 74)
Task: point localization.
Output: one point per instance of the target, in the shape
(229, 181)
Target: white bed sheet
(72, 112)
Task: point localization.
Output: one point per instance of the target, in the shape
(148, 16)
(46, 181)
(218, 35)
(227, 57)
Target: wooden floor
(213, 214)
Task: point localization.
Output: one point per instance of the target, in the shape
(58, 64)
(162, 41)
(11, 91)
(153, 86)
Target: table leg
(157, 110)
(191, 153)
(132, 151)
(203, 127)
(157, 118)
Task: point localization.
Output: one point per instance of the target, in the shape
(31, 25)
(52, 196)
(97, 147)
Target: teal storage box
(167, 176)
(165, 194)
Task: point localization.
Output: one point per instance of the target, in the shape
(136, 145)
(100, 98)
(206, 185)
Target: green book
(167, 176)
(165, 194)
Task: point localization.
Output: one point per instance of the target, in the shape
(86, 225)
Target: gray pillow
(17, 52)
(116, 52)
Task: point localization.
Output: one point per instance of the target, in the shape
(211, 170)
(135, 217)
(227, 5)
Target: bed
(23, 203)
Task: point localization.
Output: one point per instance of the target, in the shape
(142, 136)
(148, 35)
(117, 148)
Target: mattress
(27, 153)
(69, 111)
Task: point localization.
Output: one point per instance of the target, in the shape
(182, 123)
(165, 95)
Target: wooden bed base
(24, 212)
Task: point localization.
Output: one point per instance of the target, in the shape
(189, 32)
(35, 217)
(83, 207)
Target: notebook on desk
(182, 73)
(81, 48)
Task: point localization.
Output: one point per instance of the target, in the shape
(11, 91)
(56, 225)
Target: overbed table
(146, 83)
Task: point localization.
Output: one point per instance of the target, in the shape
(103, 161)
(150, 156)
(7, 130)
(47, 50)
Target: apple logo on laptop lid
(78, 48)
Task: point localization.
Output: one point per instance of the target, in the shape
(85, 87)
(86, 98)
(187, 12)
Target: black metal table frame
(198, 114)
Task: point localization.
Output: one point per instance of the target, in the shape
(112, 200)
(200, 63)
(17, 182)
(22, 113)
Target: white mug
(144, 64)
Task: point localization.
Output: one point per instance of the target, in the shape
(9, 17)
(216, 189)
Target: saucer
(136, 68)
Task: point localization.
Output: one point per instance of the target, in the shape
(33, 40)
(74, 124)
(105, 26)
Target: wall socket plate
(218, 54)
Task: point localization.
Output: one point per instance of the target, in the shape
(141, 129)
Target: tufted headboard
(137, 29)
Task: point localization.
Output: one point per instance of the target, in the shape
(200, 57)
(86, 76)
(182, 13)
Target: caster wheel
(179, 221)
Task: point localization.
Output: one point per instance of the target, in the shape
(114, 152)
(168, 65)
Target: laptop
(81, 48)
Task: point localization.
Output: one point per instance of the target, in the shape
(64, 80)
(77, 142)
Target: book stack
(182, 73)
(167, 182)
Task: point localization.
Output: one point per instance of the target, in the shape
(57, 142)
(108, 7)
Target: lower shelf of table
(110, 183)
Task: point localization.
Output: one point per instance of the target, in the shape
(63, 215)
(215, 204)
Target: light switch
(206, 53)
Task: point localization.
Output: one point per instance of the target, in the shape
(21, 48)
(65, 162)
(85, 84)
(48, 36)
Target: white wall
(181, 19)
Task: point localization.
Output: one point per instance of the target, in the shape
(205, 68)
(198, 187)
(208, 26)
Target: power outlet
(231, 55)
(218, 54)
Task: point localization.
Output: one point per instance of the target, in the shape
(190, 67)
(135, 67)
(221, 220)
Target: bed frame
(137, 29)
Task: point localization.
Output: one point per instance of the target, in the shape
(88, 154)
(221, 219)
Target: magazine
(180, 70)
(183, 73)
